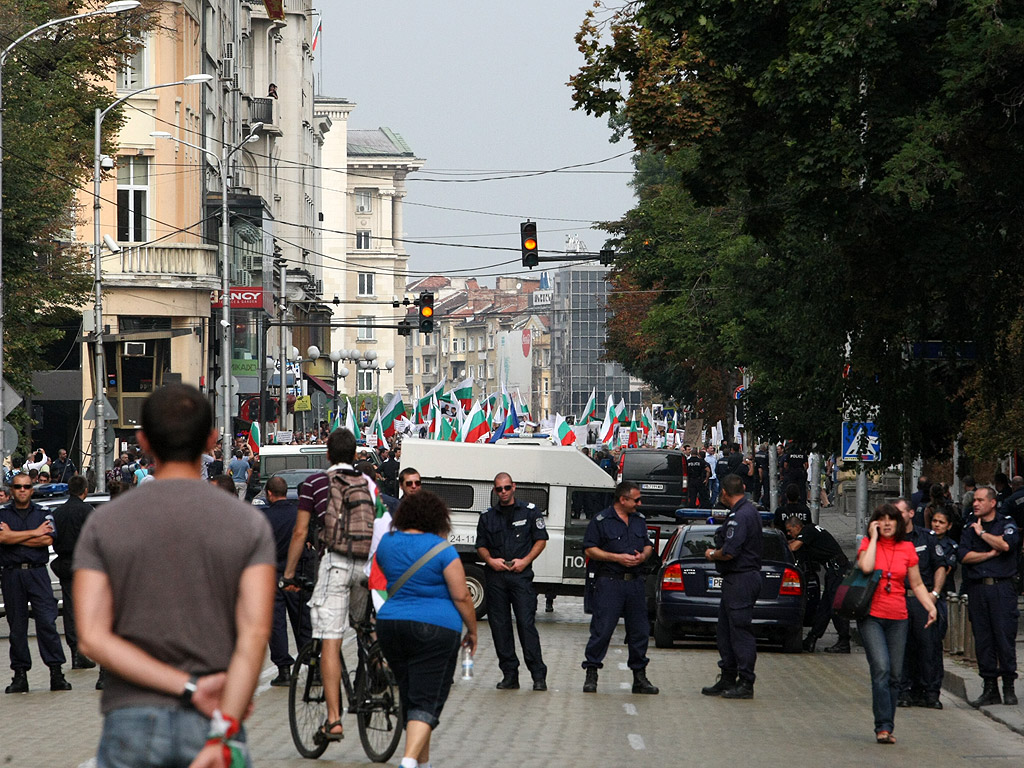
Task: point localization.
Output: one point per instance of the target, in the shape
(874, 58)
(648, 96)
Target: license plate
(714, 582)
(652, 486)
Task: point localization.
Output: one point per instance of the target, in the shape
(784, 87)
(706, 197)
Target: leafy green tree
(869, 157)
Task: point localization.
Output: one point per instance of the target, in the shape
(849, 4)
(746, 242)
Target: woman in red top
(884, 630)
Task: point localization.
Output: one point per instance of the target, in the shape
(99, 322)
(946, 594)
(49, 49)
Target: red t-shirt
(893, 559)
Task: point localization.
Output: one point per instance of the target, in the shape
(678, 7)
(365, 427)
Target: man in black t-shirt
(816, 548)
(794, 469)
(696, 472)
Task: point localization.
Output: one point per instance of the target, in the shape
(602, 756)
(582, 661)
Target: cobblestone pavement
(808, 710)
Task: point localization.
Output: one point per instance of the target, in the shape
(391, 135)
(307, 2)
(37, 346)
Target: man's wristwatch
(935, 594)
(190, 688)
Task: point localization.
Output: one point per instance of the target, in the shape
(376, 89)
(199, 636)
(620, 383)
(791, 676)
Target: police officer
(696, 471)
(25, 539)
(817, 549)
(737, 556)
(616, 542)
(988, 553)
(509, 537)
(794, 469)
(68, 520)
(921, 680)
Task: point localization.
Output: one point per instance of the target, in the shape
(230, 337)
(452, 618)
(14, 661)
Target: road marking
(630, 709)
(636, 741)
(90, 763)
(625, 686)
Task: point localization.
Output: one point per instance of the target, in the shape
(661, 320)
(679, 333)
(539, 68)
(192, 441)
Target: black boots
(19, 684)
(590, 684)
(508, 683)
(744, 689)
(990, 694)
(843, 646)
(81, 661)
(1009, 695)
(725, 682)
(641, 684)
(809, 642)
(57, 681)
(284, 677)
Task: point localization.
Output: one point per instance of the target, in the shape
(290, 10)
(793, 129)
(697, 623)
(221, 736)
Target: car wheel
(792, 640)
(475, 584)
(662, 636)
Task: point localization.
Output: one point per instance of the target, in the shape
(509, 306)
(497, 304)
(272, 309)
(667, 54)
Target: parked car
(689, 590)
(661, 476)
(293, 477)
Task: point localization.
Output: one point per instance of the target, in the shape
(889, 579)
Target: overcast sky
(478, 87)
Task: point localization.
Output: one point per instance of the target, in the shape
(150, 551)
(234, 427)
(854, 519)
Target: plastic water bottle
(467, 665)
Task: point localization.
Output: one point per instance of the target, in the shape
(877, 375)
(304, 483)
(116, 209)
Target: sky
(476, 88)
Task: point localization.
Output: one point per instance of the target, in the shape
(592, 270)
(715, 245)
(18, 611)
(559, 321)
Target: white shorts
(340, 586)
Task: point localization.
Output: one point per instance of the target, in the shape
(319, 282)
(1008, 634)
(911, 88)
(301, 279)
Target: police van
(561, 481)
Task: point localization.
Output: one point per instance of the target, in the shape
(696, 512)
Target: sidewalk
(961, 675)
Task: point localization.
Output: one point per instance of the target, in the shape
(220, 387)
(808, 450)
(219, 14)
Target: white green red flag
(621, 412)
(351, 424)
(423, 404)
(562, 434)
(433, 417)
(524, 409)
(463, 392)
(590, 409)
(254, 438)
(393, 411)
(646, 424)
(634, 433)
(475, 426)
(610, 425)
(449, 431)
(382, 439)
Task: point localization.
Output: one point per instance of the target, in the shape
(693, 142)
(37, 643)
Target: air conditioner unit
(252, 263)
(229, 50)
(227, 68)
(134, 349)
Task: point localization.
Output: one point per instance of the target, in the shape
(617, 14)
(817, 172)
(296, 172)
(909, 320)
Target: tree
(870, 153)
(52, 86)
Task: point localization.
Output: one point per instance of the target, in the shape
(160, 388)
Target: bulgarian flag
(563, 434)
(254, 438)
(621, 413)
(448, 430)
(590, 409)
(336, 420)
(610, 425)
(634, 433)
(433, 415)
(463, 392)
(645, 422)
(382, 439)
(393, 411)
(475, 426)
(423, 405)
(378, 582)
(351, 424)
(524, 409)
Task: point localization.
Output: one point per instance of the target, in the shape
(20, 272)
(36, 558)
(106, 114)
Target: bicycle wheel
(307, 707)
(380, 708)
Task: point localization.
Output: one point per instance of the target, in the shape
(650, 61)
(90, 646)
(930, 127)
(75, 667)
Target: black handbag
(853, 598)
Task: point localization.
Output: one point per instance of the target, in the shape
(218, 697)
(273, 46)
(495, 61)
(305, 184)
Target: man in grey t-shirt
(166, 603)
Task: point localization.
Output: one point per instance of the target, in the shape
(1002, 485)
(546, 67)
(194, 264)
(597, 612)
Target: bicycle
(371, 692)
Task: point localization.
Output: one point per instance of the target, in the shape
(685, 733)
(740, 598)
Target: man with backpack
(344, 504)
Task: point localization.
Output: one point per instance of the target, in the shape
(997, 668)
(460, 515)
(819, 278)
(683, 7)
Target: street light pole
(118, 6)
(223, 163)
(99, 433)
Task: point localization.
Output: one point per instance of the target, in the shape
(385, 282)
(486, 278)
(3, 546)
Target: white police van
(560, 480)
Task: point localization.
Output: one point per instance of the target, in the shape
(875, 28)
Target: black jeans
(508, 593)
(423, 658)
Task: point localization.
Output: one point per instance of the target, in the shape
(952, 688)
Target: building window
(416, 365)
(131, 75)
(365, 330)
(363, 239)
(444, 346)
(490, 370)
(366, 284)
(490, 341)
(132, 198)
(471, 344)
(364, 200)
(426, 365)
(480, 371)
(481, 342)
(364, 381)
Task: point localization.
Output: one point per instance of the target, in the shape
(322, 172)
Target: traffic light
(426, 312)
(528, 237)
(270, 408)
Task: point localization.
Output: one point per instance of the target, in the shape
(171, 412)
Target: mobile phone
(509, 563)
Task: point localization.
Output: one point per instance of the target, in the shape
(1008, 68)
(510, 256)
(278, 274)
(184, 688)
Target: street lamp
(222, 164)
(118, 6)
(336, 356)
(99, 436)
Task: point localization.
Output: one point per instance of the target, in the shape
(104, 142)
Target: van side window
(585, 503)
(454, 495)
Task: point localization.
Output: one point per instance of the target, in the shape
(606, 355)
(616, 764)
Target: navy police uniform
(618, 590)
(289, 607)
(921, 680)
(25, 579)
(695, 467)
(992, 599)
(509, 533)
(741, 537)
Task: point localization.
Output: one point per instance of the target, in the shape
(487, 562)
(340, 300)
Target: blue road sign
(861, 441)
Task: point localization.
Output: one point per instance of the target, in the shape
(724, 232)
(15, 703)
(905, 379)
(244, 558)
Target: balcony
(261, 111)
(166, 265)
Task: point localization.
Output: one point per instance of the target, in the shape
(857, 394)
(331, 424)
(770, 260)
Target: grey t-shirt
(174, 551)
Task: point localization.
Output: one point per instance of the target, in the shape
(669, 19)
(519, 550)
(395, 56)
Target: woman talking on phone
(884, 630)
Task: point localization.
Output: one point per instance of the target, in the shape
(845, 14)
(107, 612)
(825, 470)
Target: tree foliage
(868, 159)
(52, 85)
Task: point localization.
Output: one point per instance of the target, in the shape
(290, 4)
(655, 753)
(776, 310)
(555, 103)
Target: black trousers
(21, 587)
(833, 578)
(993, 612)
(736, 644)
(507, 593)
(61, 568)
(614, 599)
(922, 661)
(289, 608)
(423, 658)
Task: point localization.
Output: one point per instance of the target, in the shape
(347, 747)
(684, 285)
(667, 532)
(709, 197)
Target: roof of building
(382, 142)
(431, 282)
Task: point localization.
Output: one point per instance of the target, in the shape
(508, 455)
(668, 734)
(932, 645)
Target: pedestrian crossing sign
(861, 441)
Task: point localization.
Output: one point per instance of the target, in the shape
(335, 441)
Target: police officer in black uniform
(817, 549)
(988, 553)
(794, 470)
(617, 544)
(25, 539)
(509, 537)
(921, 680)
(68, 520)
(696, 470)
(737, 556)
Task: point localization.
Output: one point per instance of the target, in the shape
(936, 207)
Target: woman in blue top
(419, 625)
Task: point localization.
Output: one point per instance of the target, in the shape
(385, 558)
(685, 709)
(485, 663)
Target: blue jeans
(153, 737)
(884, 641)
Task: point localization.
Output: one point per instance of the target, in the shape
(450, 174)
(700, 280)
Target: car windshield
(694, 543)
(294, 477)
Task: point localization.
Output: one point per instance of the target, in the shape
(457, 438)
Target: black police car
(661, 476)
(689, 589)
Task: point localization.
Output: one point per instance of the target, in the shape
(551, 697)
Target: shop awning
(320, 384)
